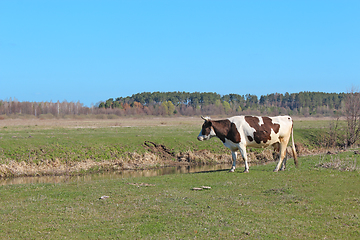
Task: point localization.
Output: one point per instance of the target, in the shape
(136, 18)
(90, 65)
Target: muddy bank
(157, 156)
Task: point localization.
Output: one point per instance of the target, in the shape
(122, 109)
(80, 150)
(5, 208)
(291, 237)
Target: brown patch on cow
(226, 129)
(250, 138)
(262, 132)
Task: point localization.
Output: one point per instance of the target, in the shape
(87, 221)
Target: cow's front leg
(233, 155)
(244, 156)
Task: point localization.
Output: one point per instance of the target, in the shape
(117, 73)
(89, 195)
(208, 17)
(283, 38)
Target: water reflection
(115, 175)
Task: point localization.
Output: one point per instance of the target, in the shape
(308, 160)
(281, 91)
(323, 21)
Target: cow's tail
(293, 148)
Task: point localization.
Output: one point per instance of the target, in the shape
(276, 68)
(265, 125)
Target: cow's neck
(225, 129)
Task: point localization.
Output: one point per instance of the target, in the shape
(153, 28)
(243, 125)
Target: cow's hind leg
(283, 166)
(233, 155)
(283, 144)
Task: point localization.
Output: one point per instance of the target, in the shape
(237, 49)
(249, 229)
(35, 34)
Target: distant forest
(189, 104)
(208, 103)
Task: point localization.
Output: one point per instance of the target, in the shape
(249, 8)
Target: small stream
(116, 175)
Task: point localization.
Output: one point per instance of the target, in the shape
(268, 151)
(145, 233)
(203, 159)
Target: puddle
(115, 175)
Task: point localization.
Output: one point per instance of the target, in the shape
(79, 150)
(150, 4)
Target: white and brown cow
(240, 132)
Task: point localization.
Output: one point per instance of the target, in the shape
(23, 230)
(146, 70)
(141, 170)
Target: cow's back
(285, 123)
(257, 131)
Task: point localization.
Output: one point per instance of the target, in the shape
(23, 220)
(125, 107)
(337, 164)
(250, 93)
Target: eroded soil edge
(157, 155)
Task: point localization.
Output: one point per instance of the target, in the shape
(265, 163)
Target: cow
(239, 132)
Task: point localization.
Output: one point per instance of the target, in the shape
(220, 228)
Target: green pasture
(66, 144)
(36, 143)
(314, 201)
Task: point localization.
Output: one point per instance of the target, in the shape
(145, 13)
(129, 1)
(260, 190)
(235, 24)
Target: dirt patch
(160, 150)
(188, 157)
(206, 157)
(99, 123)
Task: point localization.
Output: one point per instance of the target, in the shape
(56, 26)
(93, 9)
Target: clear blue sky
(90, 51)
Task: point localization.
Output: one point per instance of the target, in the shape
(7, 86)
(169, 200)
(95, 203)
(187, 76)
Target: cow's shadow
(212, 171)
(237, 171)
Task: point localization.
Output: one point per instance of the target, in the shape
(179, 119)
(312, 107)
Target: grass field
(96, 139)
(320, 199)
(310, 202)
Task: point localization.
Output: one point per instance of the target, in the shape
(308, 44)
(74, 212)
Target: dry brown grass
(337, 163)
(55, 167)
(95, 123)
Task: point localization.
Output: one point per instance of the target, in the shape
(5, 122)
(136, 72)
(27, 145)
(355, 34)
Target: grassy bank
(95, 145)
(96, 141)
(47, 147)
(33, 147)
(315, 201)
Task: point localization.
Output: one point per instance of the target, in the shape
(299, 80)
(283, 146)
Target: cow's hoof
(246, 171)
(275, 170)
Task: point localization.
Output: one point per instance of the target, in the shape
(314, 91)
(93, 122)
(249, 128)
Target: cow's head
(207, 130)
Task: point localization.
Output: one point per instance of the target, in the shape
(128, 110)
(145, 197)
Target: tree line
(15, 107)
(185, 103)
(189, 104)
